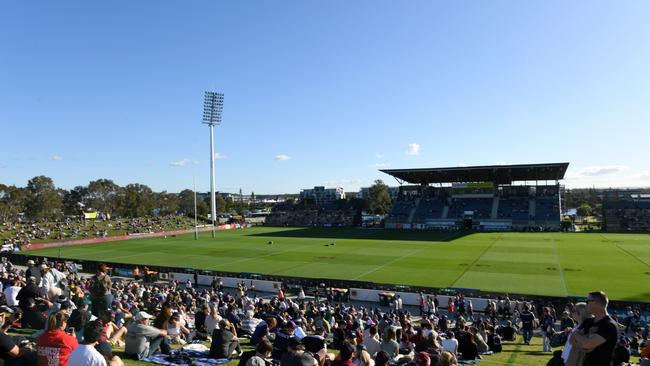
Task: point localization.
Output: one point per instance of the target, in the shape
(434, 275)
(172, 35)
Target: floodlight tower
(212, 109)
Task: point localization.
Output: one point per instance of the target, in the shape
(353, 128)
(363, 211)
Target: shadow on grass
(365, 234)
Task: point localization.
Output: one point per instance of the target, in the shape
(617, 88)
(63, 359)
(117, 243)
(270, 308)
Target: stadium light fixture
(212, 110)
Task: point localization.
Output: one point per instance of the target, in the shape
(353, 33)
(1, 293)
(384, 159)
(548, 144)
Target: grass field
(557, 264)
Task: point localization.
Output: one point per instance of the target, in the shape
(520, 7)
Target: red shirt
(54, 347)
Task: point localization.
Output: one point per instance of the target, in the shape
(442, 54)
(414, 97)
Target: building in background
(323, 196)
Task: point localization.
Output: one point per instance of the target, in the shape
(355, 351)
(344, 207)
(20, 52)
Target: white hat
(142, 315)
(30, 262)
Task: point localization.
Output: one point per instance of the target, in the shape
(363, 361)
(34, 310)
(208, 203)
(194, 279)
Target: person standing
(527, 323)
(100, 291)
(598, 336)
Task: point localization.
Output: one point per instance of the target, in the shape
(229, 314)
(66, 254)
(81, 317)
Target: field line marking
(559, 266)
(388, 263)
(476, 260)
(628, 253)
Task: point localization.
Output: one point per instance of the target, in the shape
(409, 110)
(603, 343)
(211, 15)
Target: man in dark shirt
(527, 323)
(10, 353)
(316, 342)
(599, 336)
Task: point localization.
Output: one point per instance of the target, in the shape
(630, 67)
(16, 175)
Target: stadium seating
(481, 207)
(627, 215)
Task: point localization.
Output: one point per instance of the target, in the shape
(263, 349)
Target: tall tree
(44, 201)
(378, 198)
(168, 203)
(103, 195)
(137, 200)
(13, 200)
(73, 200)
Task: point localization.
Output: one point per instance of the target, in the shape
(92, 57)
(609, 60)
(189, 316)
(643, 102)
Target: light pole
(212, 109)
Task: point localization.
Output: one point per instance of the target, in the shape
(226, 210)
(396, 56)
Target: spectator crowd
(74, 320)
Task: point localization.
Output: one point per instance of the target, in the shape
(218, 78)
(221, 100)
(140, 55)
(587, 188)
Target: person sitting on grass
(224, 341)
(177, 333)
(55, 345)
(263, 351)
(86, 354)
(10, 352)
(143, 340)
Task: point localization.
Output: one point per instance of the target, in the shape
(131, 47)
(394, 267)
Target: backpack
(97, 287)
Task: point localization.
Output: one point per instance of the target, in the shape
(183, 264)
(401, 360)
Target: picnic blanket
(190, 355)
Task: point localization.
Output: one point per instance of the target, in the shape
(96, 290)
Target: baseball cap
(143, 315)
(30, 262)
(6, 309)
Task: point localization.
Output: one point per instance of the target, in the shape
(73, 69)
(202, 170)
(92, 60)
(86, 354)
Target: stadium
(448, 229)
(481, 233)
(417, 183)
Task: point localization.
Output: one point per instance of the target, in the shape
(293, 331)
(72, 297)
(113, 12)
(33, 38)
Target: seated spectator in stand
(78, 320)
(362, 357)
(447, 359)
(32, 318)
(263, 351)
(212, 320)
(509, 332)
(282, 338)
(29, 291)
(316, 342)
(86, 354)
(249, 323)
(450, 343)
(468, 349)
(224, 341)
(10, 352)
(199, 322)
(11, 293)
(262, 330)
(143, 340)
(55, 345)
(177, 333)
(372, 343)
(106, 351)
(296, 355)
(389, 344)
(382, 359)
(344, 358)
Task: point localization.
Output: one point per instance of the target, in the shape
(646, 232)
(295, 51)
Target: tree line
(40, 199)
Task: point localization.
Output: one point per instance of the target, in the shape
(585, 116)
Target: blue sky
(321, 92)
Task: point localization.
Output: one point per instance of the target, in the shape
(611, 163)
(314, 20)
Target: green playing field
(557, 264)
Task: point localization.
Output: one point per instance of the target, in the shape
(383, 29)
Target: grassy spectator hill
(556, 264)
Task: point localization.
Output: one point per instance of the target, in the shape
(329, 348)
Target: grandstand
(626, 211)
(487, 198)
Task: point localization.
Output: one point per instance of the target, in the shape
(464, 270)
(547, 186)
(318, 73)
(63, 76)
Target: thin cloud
(500, 162)
(379, 156)
(282, 157)
(56, 157)
(220, 156)
(182, 162)
(461, 164)
(413, 149)
(343, 182)
(381, 165)
(597, 171)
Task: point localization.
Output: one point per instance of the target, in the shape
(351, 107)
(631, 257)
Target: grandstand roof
(499, 174)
